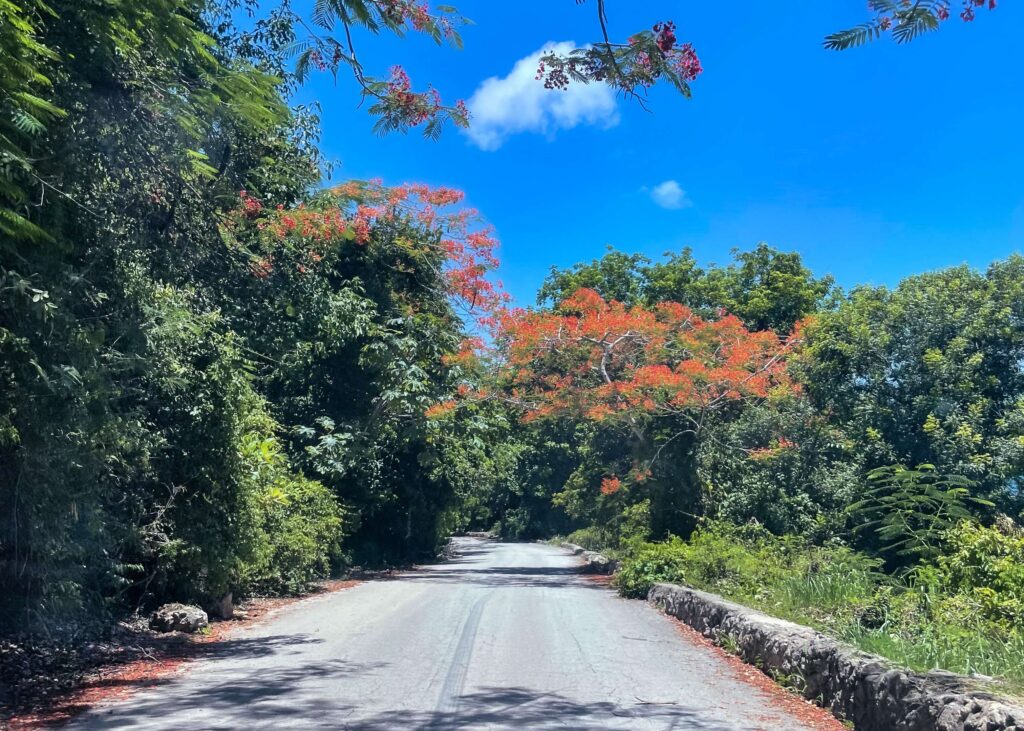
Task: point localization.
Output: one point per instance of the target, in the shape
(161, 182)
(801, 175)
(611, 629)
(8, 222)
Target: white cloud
(670, 195)
(500, 108)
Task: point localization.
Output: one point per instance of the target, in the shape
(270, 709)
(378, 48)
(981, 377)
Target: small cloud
(517, 103)
(670, 195)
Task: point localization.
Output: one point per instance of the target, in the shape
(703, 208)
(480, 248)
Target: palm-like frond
(853, 37)
(912, 23)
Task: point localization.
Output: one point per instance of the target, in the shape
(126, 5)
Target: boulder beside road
(178, 618)
(593, 562)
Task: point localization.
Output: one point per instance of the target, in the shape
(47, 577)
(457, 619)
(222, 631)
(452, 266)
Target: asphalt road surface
(505, 636)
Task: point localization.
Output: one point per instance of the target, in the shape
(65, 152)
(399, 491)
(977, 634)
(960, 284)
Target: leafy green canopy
(766, 288)
(183, 412)
(930, 373)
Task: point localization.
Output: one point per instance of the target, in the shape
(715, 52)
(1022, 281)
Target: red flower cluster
(468, 253)
(417, 15)
(665, 36)
(967, 14)
(684, 61)
(251, 207)
(415, 108)
(649, 58)
(941, 11)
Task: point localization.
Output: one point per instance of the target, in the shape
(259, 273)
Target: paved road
(505, 636)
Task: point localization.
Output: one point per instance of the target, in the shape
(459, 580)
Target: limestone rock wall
(868, 690)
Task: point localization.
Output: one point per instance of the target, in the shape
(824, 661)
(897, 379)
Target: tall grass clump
(962, 613)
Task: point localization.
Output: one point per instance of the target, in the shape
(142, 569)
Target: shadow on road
(500, 577)
(523, 708)
(260, 700)
(252, 648)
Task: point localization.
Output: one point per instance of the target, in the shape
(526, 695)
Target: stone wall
(868, 690)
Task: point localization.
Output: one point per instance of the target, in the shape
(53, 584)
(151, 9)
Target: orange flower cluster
(602, 360)
(763, 453)
(440, 409)
(610, 485)
(467, 353)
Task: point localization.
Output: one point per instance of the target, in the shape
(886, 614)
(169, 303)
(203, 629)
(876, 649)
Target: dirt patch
(140, 659)
(784, 700)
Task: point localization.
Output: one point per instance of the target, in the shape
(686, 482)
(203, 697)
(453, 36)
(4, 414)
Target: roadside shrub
(515, 524)
(301, 531)
(293, 525)
(593, 538)
(750, 564)
(634, 523)
(650, 564)
(986, 564)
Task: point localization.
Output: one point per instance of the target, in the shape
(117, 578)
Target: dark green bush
(650, 564)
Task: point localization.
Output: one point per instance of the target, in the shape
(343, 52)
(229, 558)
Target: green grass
(839, 592)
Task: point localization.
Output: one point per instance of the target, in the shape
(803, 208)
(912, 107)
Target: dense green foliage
(879, 501)
(930, 373)
(927, 373)
(188, 404)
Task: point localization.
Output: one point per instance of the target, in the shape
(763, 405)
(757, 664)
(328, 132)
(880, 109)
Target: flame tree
(659, 376)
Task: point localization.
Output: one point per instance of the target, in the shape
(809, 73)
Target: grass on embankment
(932, 621)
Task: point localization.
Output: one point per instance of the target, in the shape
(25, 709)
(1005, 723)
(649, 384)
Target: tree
(615, 276)
(929, 373)
(766, 288)
(152, 127)
(660, 374)
(354, 304)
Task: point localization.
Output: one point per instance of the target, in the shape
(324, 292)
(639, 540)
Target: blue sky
(874, 164)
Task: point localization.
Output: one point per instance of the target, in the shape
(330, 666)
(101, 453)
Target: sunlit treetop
(604, 361)
(346, 215)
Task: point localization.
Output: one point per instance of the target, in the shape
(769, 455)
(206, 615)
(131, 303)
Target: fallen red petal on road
(791, 704)
(166, 658)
